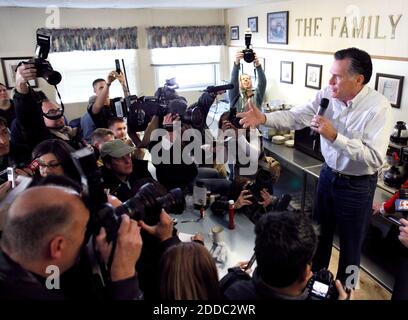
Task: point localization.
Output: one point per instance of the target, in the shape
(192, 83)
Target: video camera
(321, 286)
(166, 100)
(145, 205)
(139, 111)
(249, 55)
(43, 67)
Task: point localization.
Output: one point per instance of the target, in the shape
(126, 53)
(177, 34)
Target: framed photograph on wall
(286, 72)
(313, 77)
(277, 27)
(235, 33)
(253, 24)
(391, 87)
(9, 66)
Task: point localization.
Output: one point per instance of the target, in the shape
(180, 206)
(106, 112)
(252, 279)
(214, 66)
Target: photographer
(285, 244)
(45, 227)
(172, 174)
(37, 117)
(7, 159)
(400, 290)
(122, 175)
(252, 195)
(242, 91)
(99, 107)
(120, 130)
(248, 144)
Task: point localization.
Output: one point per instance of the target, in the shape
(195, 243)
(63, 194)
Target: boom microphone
(320, 112)
(223, 87)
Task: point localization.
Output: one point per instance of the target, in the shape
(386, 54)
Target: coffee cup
(217, 234)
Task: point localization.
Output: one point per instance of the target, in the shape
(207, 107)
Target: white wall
(20, 25)
(389, 55)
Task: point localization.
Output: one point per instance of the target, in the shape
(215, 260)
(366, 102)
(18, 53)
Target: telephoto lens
(145, 205)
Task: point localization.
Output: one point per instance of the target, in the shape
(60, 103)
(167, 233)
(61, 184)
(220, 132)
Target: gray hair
(28, 235)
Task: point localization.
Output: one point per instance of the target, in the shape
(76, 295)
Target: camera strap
(61, 103)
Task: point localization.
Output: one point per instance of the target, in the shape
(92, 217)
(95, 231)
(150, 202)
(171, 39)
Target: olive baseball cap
(116, 149)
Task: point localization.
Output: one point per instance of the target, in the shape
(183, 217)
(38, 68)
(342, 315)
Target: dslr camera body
(262, 181)
(43, 67)
(249, 55)
(321, 286)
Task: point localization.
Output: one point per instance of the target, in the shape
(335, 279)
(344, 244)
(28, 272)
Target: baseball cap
(116, 149)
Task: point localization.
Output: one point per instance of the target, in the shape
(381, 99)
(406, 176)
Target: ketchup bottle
(231, 214)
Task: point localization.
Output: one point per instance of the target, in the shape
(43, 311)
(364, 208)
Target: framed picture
(313, 76)
(235, 33)
(391, 87)
(9, 66)
(277, 24)
(286, 72)
(253, 24)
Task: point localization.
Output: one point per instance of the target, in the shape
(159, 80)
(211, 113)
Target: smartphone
(250, 262)
(11, 176)
(117, 66)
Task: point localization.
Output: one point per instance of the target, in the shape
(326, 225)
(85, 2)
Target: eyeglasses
(51, 165)
(54, 112)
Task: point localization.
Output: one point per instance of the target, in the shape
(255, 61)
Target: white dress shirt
(363, 127)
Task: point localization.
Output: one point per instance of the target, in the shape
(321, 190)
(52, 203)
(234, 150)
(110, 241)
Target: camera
(262, 181)
(43, 67)
(321, 286)
(11, 176)
(249, 55)
(139, 111)
(117, 66)
(145, 205)
(188, 115)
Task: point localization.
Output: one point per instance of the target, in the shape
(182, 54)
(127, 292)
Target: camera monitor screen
(320, 289)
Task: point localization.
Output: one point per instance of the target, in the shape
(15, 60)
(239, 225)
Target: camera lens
(194, 117)
(53, 78)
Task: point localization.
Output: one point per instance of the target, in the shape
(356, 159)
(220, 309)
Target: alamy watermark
(53, 280)
(53, 20)
(353, 280)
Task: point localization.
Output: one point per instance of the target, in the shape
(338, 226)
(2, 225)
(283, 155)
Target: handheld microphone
(320, 112)
(223, 87)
